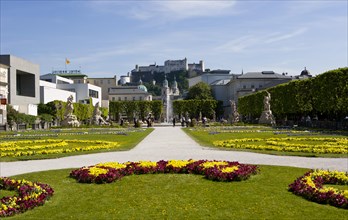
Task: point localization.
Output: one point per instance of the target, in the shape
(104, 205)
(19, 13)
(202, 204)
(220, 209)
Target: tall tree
(200, 91)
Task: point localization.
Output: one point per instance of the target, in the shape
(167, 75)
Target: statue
(266, 102)
(235, 114)
(69, 118)
(267, 116)
(69, 106)
(97, 118)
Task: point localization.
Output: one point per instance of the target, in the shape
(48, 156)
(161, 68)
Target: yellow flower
(229, 169)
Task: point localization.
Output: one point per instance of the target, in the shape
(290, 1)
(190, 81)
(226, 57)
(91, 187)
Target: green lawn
(206, 137)
(178, 196)
(127, 138)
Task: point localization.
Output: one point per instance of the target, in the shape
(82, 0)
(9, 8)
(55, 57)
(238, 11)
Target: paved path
(166, 143)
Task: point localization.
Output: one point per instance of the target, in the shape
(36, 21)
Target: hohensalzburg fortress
(171, 66)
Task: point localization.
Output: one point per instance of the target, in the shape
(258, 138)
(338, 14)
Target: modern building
(57, 87)
(49, 92)
(3, 93)
(23, 84)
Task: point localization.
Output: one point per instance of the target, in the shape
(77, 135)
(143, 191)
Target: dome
(142, 87)
(165, 83)
(305, 72)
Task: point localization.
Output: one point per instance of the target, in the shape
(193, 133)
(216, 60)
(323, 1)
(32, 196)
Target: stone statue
(266, 102)
(69, 106)
(69, 118)
(267, 116)
(97, 118)
(235, 114)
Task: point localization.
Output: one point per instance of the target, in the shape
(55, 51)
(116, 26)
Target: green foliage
(104, 112)
(325, 95)
(135, 108)
(155, 90)
(194, 107)
(200, 91)
(19, 118)
(46, 117)
(156, 109)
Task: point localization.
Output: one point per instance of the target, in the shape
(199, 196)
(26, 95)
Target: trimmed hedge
(141, 108)
(193, 107)
(325, 95)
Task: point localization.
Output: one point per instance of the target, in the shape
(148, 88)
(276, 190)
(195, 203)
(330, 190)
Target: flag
(67, 61)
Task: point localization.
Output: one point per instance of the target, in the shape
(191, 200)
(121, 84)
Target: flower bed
(30, 195)
(213, 170)
(312, 187)
(289, 144)
(51, 146)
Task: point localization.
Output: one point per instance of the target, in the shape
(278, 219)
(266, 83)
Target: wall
(30, 92)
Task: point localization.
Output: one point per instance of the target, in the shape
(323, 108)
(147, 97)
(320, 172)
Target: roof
(72, 75)
(220, 82)
(263, 75)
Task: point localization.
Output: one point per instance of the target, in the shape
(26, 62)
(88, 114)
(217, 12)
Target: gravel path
(166, 143)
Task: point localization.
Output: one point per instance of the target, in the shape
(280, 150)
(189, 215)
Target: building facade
(23, 84)
(104, 84)
(57, 87)
(210, 77)
(171, 66)
(244, 84)
(129, 93)
(3, 93)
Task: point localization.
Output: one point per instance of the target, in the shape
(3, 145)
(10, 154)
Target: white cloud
(239, 44)
(184, 9)
(165, 10)
(281, 37)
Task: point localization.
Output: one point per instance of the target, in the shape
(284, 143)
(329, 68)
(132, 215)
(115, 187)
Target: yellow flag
(67, 61)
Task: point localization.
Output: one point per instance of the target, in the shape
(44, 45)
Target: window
(93, 93)
(113, 98)
(125, 98)
(78, 81)
(133, 98)
(140, 98)
(109, 81)
(244, 86)
(25, 83)
(119, 98)
(101, 81)
(252, 86)
(260, 86)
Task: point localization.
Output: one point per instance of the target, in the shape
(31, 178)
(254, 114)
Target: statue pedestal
(71, 121)
(267, 118)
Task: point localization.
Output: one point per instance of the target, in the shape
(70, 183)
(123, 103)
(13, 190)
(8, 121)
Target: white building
(59, 88)
(210, 77)
(3, 93)
(23, 84)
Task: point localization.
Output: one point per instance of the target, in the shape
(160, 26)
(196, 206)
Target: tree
(200, 91)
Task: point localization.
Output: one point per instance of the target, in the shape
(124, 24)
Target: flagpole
(65, 64)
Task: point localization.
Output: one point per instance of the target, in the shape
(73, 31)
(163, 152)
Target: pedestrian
(174, 122)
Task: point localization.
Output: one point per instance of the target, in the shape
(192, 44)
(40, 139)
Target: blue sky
(106, 38)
